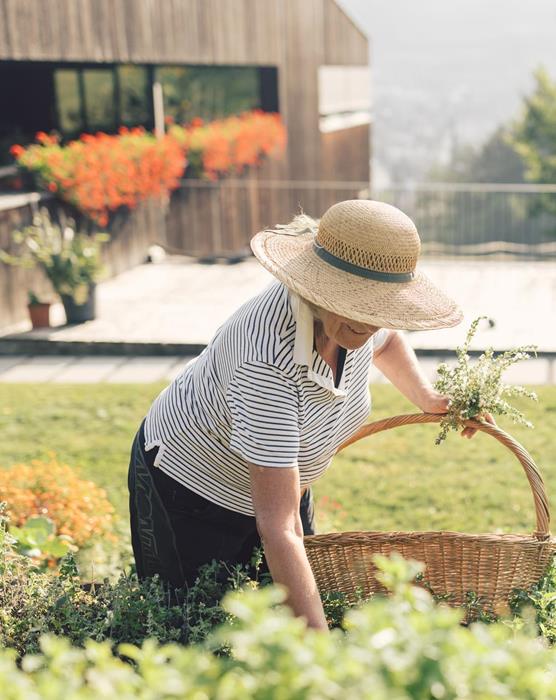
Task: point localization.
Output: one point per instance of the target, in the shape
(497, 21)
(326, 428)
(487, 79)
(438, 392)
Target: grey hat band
(395, 277)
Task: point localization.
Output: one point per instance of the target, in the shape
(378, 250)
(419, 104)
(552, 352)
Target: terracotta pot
(40, 315)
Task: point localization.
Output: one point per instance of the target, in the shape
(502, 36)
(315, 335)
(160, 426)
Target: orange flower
(100, 172)
(16, 150)
(78, 508)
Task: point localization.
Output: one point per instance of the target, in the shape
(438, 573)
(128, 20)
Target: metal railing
(470, 219)
(480, 218)
(453, 219)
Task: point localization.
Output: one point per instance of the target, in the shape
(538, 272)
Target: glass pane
(134, 95)
(68, 105)
(174, 86)
(208, 92)
(99, 99)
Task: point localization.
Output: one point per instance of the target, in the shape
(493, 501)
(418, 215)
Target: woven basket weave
(491, 565)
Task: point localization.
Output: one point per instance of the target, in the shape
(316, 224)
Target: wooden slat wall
(206, 221)
(16, 282)
(295, 35)
(345, 154)
(210, 221)
(344, 42)
(132, 234)
(200, 31)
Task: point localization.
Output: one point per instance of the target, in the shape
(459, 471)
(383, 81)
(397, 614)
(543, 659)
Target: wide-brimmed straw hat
(359, 261)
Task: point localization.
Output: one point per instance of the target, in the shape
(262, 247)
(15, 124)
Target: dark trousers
(174, 531)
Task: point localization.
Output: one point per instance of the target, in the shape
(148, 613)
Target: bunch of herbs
(476, 388)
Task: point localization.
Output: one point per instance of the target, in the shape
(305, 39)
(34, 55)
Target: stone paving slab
(170, 302)
(8, 362)
(178, 368)
(88, 370)
(36, 369)
(143, 370)
(156, 369)
(520, 297)
(183, 302)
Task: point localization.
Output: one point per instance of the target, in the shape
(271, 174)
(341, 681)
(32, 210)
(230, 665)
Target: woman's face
(346, 333)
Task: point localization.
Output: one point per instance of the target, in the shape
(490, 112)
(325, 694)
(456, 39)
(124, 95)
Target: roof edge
(350, 18)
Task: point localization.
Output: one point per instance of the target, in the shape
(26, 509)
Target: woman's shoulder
(262, 329)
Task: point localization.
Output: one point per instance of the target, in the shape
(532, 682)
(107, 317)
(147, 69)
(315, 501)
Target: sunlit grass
(397, 480)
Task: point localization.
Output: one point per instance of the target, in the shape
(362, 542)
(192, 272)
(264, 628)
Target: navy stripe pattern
(244, 399)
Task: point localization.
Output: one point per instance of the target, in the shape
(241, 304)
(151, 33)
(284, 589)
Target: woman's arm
(397, 360)
(276, 496)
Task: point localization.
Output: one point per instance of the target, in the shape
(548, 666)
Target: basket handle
(531, 471)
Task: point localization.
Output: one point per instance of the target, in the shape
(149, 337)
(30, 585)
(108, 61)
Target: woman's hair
(302, 223)
(315, 310)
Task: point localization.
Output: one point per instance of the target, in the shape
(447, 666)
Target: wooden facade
(294, 36)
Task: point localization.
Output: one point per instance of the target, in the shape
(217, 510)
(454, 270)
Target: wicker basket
(491, 565)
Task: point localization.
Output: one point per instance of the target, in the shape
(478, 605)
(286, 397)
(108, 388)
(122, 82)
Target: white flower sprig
(476, 389)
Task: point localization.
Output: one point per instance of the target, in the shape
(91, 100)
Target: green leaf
(56, 548)
(37, 530)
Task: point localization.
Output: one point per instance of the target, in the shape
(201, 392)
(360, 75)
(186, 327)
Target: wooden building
(90, 65)
(296, 39)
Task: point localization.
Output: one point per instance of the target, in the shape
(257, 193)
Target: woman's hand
(435, 402)
(398, 362)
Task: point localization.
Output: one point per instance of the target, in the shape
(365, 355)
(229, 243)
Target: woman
(226, 454)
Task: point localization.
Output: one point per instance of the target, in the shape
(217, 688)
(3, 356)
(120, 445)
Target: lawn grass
(397, 480)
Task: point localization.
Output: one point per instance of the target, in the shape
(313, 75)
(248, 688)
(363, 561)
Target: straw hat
(358, 262)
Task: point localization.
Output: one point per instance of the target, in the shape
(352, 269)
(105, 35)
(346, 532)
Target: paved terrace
(170, 310)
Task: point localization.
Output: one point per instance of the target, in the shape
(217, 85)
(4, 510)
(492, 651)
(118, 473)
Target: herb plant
(70, 259)
(477, 388)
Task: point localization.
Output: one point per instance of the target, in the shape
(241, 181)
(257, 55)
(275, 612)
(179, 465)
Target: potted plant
(39, 311)
(71, 260)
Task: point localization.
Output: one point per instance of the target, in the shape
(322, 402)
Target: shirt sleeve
(264, 405)
(380, 337)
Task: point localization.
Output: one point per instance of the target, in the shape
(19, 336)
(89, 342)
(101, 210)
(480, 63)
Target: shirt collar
(303, 353)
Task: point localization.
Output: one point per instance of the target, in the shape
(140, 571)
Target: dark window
(68, 101)
(26, 104)
(209, 92)
(100, 99)
(73, 98)
(134, 95)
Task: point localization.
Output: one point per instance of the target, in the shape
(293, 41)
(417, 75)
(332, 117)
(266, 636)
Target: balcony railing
(480, 218)
(217, 219)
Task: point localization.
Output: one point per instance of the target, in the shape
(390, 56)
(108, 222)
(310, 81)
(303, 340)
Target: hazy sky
(452, 66)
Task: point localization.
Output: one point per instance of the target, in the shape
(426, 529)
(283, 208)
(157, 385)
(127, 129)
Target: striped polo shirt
(259, 393)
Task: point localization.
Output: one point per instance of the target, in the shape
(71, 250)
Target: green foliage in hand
(399, 648)
(71, 260)
(477, 388)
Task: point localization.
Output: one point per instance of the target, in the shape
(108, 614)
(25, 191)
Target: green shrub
(396, 648)
(34, 602)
